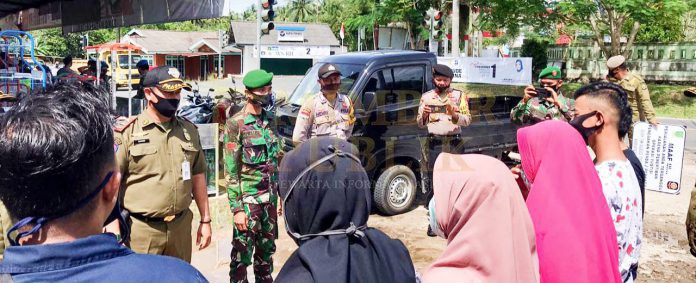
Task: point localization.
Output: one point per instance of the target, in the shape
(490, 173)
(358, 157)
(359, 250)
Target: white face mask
(6, 109)
(433, 220)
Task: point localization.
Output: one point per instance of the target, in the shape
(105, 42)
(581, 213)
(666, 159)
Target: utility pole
(220, 38)
(455, 28)
(258, 33)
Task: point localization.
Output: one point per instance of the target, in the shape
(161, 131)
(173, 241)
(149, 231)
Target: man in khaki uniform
(636, 88)
(163, 165)
(443, 111)
(328, 112)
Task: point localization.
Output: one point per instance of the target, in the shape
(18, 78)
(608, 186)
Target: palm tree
(301, 11)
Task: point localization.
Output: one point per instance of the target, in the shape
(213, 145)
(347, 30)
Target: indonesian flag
(342, 33)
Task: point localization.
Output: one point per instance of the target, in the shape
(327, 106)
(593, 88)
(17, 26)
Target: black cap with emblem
(443, 70)
(328, 69)
(166, 78)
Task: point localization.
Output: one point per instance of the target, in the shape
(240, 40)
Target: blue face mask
(38, 222)
(433, 220)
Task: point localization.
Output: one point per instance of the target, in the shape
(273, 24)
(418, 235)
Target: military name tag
(141, 141)
(186, 170)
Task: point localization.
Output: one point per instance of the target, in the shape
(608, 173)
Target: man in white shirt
(598, 116)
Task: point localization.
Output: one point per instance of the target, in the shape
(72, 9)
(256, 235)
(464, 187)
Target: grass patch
(668, 100)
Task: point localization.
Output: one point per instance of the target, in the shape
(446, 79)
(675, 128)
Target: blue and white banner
(499, 71)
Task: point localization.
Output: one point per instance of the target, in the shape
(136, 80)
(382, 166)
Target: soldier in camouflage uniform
(252, 150)
(533, 109)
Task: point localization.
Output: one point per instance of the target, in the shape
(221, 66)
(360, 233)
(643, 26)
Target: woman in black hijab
(327, 201)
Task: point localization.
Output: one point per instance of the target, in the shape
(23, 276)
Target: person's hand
(516, 171)
(654, 122)
(240, 221)
(529, 93)
(427, 110)
(203, 237)
(451, 110)
(554, 96)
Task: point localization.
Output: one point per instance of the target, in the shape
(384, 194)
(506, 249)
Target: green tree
(536, 49)
(301, 11)
(609, 17)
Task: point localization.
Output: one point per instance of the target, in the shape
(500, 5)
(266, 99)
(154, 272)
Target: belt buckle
(169, 218)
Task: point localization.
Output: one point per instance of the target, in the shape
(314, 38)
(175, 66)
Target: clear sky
(238, 6)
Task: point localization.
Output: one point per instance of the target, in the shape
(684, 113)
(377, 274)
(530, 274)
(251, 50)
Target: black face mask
(167, 107)
(331, 87)
(584, 132)
(441, 89)
(121, 215)
(37, 222)
(261, 100)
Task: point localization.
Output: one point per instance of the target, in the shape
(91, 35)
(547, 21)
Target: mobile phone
(438, 109)
(542, 93)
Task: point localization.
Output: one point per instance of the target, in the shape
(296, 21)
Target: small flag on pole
(343, 31)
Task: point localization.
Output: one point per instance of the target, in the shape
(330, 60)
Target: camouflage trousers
(258, 240)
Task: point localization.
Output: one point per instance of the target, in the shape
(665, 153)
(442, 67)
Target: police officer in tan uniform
(163, 166)
(328, 112)
(443, 111)
(636, 88)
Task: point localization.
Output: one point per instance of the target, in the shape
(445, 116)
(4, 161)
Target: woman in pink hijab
(575, 237)
(481, 213)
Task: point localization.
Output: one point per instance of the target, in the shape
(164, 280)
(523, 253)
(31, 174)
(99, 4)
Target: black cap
(328, 69)
(166, 78)
(443, 70)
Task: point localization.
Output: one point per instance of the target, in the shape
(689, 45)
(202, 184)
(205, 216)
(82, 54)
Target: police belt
(455, 136)
(168, 218)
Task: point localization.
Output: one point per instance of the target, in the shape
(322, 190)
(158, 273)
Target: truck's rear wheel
(395, 190)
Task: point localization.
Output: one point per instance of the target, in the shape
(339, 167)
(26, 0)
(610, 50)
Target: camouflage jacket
(251, 157)
(536, 110)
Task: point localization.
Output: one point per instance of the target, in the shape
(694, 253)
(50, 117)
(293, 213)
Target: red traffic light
(438, 16)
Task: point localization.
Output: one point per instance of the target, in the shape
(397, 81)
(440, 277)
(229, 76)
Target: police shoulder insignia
(122, 123)
(187, 120)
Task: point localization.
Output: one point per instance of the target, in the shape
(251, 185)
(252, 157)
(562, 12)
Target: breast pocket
(144, 158)
(254, 151)
(190, 152)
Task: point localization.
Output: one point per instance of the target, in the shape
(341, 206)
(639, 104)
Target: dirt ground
(664, 255)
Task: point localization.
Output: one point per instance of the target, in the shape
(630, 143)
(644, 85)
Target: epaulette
(123, 122)
(187, 120)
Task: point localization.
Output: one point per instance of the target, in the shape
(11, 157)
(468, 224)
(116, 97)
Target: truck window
(397, 85)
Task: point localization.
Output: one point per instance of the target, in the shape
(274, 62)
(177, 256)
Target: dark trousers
(436, 145)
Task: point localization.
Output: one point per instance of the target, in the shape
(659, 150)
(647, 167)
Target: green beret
(551, 72)
(257, 79)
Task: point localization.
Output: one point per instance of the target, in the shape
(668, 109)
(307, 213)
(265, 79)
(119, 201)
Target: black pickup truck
(386, 88)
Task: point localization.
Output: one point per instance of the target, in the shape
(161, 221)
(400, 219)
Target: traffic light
(267, 15)
(433, 22)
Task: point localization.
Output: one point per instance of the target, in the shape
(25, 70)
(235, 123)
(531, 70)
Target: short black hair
(617, 99)
(67, 60)
(55, 148)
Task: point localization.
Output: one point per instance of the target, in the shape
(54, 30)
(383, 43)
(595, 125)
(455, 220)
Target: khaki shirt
(440, 123)
(151, 158)
(319, 118)
(638, 98)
